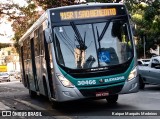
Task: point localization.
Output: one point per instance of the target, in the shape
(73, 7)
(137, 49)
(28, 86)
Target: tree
(45, 4)
(4, 7)
(7, 9)
(3, 45)
(29, 14)
(145, 14)
(147, 19)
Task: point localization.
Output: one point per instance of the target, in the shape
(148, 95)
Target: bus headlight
(65, 82)
(132, 74)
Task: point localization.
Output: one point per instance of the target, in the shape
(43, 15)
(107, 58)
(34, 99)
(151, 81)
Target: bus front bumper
(69, 94)
(131, 86)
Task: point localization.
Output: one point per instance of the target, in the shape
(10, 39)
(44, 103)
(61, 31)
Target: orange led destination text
(82, 14)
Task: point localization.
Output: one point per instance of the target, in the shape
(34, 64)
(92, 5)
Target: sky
(5, 25)
(6, 29)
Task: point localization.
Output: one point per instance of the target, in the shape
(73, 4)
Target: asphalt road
(16, 97)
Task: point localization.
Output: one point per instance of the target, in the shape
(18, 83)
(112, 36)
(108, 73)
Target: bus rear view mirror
(48, 35)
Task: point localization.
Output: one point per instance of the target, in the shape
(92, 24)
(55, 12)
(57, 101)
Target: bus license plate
(101, 94)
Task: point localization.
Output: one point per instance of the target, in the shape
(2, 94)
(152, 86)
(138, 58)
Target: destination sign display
(91, 13)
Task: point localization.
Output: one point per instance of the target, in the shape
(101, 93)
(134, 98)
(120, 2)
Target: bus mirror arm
(48, 35)
(133, 25)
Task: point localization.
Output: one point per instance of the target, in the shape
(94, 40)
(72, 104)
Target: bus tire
(56, 105)
(141, 83)
(26, 81)
(45, 86)
(112, 99)
(32, 94)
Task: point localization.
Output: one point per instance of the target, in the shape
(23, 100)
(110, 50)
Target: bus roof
(33, 27)
(86, 5)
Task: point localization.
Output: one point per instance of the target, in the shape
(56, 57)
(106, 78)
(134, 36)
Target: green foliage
(29, 15)
(23, 22)
(4, 7)
(150, 13)
(102, 1)
(146, 16)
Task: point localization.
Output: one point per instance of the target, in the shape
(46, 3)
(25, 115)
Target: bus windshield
(93, 45)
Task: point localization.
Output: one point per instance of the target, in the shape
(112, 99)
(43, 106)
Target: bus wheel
(32, 94)
(112, 98)
(141, 83)
(45, 87)
(56, 105)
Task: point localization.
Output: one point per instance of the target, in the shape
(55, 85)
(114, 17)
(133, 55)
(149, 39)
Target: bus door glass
(33, 63)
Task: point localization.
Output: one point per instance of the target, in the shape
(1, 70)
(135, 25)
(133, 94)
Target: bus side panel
(40, 64)
(30, 76)
(27, 64)
(26, 70)
(38, 60)
(42, 73)
(38, 73)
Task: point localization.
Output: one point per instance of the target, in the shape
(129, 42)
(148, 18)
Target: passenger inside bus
(116, 31)
(119, 32)
(110, 55)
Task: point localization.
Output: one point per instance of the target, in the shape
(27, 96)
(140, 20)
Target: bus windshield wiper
(79, 38)
(103, 31)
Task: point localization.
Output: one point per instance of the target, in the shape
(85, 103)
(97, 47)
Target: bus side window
(29, 49)
(41, 40)
(36, 43)
(24, 50)
(116, 30)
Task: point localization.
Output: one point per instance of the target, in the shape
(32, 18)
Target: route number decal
(86, 82)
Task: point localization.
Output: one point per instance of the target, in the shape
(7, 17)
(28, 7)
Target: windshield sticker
(60, 29)
(104, 56)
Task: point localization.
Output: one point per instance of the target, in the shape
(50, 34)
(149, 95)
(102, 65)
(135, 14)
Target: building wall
(10, 58)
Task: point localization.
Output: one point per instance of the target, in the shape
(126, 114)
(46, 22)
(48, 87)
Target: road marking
(4, 107)
(30, 105)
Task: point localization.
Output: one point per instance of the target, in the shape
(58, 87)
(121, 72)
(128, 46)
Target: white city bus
(80, 51)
